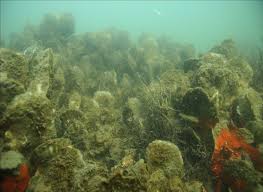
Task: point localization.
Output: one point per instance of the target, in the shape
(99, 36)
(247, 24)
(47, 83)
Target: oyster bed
(100, 112)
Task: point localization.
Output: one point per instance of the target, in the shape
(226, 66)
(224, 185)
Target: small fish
(16, 183)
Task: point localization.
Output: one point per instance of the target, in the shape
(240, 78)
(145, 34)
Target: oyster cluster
(100, 112)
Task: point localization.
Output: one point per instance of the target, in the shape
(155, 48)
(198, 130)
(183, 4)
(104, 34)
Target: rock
(213, 58)
(176, 184)
(247, 107)
(197, 103)
(160, 102)
(217, 78)
(54, 154)
(104, 98)
(128, 177)
(132, 116)
(242, 68)
(195, 186)
(158, 181)
(222, 76)
(29, 119)
(165, 156)
(10, 160)
(14, 65)
(66, 25)
(175, 53)
(149, 44)
(191, 64)
(9, 88)
(256, 128)
(227, 48)
(175, 84)
(74, 80)
(56, 88)
(41, 71)
(241, 170)
(55, 29)
(246, 135)
(73, 127)
(74, 101)
(49, 149)
(234, 62)
(120, 39)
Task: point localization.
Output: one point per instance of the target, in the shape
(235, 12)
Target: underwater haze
(202, 23)
(131, 96)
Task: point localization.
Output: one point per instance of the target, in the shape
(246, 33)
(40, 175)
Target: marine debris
(232, 149)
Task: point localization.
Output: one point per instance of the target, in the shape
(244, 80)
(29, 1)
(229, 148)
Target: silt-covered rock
(27, 122)
(197, 103)
(166, 156)
(14, 65)
(247, 107)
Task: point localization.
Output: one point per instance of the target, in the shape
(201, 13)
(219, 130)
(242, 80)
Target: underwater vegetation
(100, 112)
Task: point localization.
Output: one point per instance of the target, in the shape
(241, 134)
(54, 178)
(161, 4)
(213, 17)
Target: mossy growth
(227, 48)
(10, 160)
(256, 128)
(55, 29)
(30, 120)
(241, 170)
(216, 77)
(197, 103)
(128, 176)
(58, 162)
(158, 181)
(166, 156)
(247, 107)
(9, 88)
(14, 65)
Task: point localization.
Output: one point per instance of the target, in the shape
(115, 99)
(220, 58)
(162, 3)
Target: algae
(100, 111)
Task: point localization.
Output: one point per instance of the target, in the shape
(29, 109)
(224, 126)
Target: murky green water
(131, 96)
